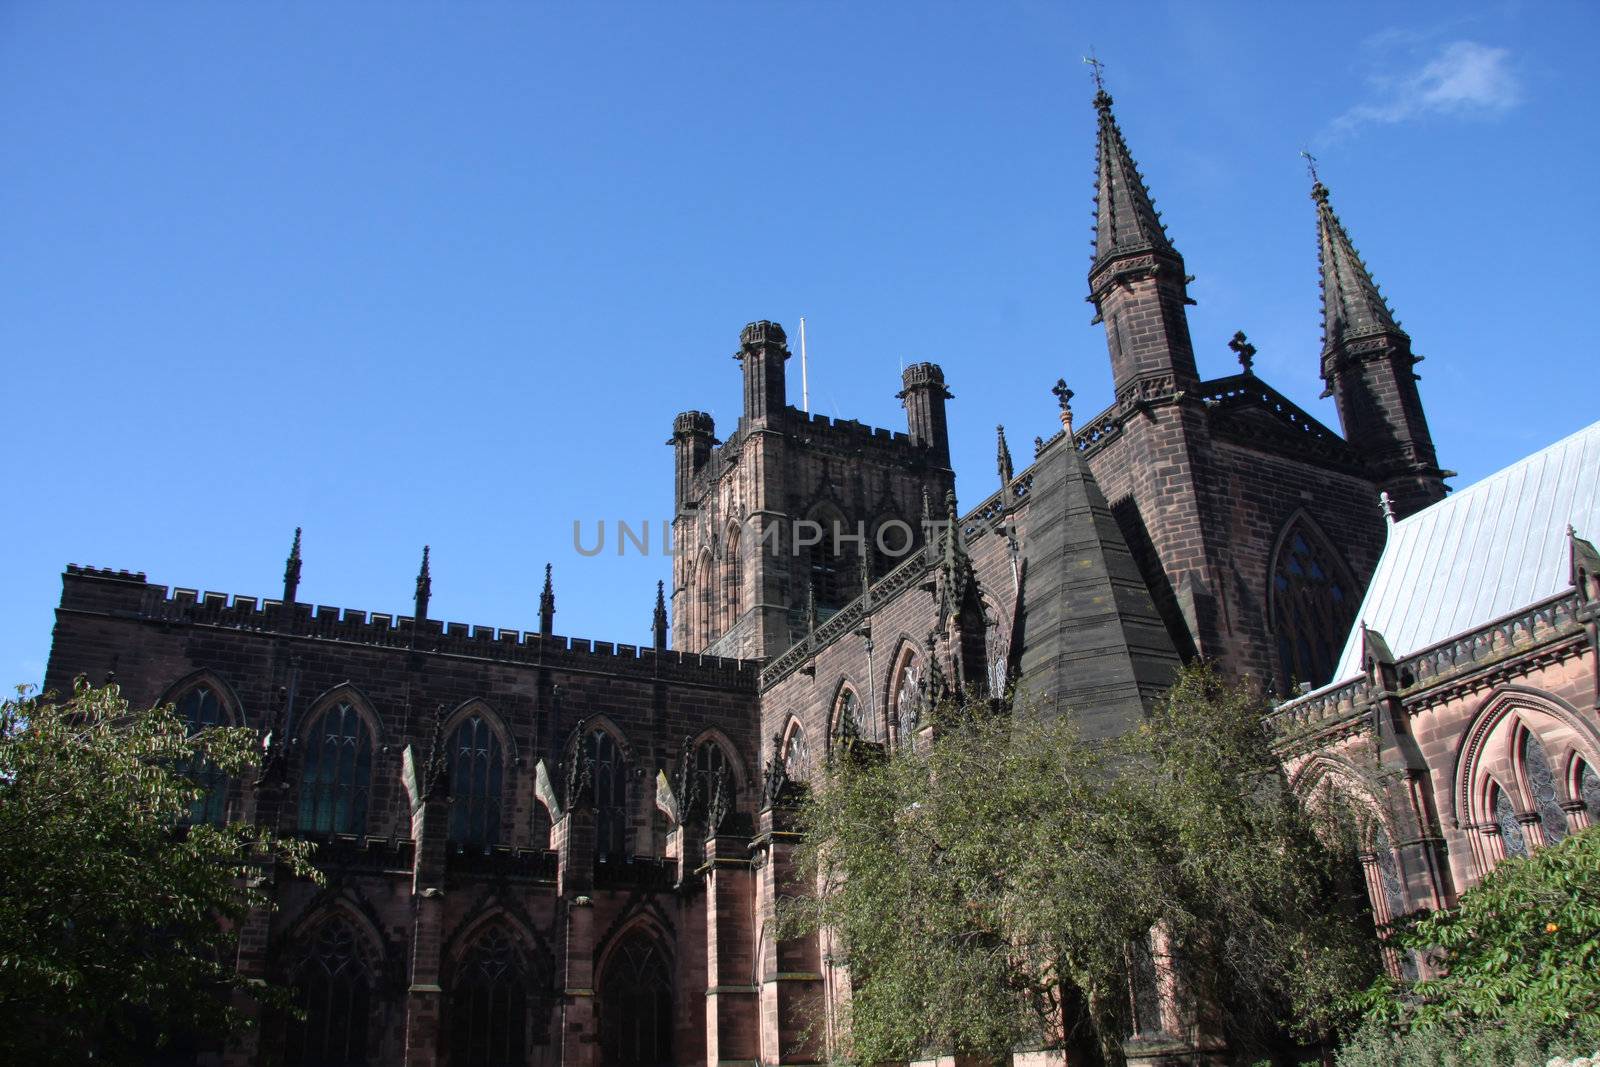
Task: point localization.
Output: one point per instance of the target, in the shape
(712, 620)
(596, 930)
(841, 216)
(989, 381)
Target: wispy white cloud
(1462, 79)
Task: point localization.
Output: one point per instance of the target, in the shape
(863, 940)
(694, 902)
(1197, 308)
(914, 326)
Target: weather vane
(1095, 67)
(1311, 164)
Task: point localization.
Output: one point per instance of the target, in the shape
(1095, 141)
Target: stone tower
(794, 509)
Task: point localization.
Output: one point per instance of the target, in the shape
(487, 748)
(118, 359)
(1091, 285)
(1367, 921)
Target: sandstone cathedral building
(548, 850)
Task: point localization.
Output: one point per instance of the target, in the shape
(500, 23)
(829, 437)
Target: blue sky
(426, 273)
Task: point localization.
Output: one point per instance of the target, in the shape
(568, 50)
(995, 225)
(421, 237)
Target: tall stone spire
(1126, 219)
(547, 605)
(1136, 277)
(1368, 366)
(1352, 306)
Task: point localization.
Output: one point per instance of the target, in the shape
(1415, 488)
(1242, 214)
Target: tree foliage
(117, 919)
(1517, 959)
(997, 885)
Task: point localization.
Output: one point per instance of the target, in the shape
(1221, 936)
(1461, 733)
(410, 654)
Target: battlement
(847, 429)
(125, 594)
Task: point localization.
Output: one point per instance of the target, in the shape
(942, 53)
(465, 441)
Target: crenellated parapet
(128, 595)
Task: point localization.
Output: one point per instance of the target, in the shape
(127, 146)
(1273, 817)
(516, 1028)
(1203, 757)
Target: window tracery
(201, 709)
(1312, 608)
(797, 756)
(332, 990)
(635, 997)
(1511, 840)
(336, 779)
(476, 769)
(1542, 789)
(907, 699)
(489, 1005)
(609, 773)
(1589, 790)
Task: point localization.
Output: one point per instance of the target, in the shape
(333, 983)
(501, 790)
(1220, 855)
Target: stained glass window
(332, 988)
(337, 777)
(635, 1006)
(488, 1007)
(1394, 897)
(1510, 830)
(201, 710)
(610, 776)
(797, 757)
(1543, 786)
(1312, 610)
(846, 721)
(1589, 790)
(908, 701)
(476, 767)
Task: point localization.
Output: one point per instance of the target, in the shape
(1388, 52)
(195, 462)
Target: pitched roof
(1486, 551)
(1093, 645)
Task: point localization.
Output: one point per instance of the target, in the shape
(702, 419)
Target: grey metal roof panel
(1486, 551)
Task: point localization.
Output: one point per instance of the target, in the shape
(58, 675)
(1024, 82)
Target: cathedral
(543, 849)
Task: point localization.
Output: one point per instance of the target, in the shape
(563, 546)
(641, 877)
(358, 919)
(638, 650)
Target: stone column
(424, 998)
(573, 838)
(792, 994)
(732, 1033)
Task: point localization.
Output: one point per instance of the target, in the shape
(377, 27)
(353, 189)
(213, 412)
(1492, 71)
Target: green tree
(1516, 961)
(999, 885)
(117, 918)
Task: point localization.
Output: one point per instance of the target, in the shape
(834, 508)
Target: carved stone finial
(811, 606)
(1245, 350)
(291, 571)
(424, 587)
(658, 619)
(688, 782)
(436, 772)
(1003, 457)
(775, 779)
(1386, 503)
(720, 803)
(1064, 397)
(547, 605)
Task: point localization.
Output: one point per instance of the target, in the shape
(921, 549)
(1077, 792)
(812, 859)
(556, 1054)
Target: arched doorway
(635, 1005)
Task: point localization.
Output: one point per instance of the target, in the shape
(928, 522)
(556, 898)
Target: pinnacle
(1352, 305)
(1126, 219)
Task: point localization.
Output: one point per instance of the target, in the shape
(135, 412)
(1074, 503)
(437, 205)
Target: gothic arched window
(337, 776)
(846, 716)
(1542, 789)
(1511, 840)
(1394, 898)
(797, 757)
(710, 767)
(1313, 608)
(332, 988)
(1589, 790)
(635, 1006)
(832, 564)
(705, 596)
(906, 699)
(476, 767)
(488, 1006)
(201, 710)
(733, 580)
(609, 772)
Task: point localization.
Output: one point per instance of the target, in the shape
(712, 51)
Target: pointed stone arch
(634, 983)
(742, 774)
(1492, 767)
(847, 700)
(337, 762)
(498, 974)
(1312, 600)
(345, 692)
(227, 696)
(795, 751)
(830, 567)
(733, 569)
(338, 968)
(903, 695)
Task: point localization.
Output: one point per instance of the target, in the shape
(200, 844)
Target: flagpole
(805, 381)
